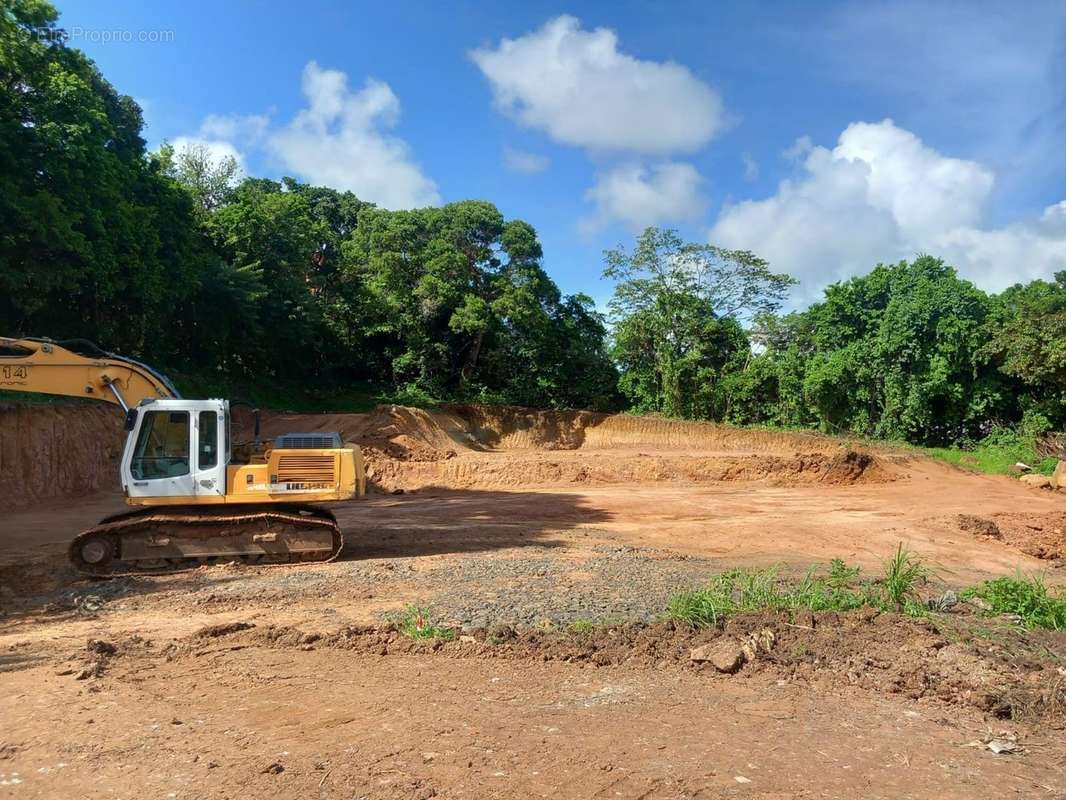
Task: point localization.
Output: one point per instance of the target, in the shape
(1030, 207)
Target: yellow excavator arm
(78, 368)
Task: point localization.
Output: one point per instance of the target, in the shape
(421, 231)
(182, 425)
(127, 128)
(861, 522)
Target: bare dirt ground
(513, 525)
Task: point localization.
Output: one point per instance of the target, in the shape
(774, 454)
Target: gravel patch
(522, 586)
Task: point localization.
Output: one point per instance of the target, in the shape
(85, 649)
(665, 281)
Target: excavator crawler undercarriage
(181, 537)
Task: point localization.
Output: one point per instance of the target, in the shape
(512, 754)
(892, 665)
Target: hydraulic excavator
(200, 497)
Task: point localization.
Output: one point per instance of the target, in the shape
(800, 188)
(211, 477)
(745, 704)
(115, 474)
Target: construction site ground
(512, 526)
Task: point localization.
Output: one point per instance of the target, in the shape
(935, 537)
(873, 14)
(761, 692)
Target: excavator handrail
(79, 368)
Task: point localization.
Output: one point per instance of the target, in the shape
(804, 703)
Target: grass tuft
(904, 571)
(417, 622)
(740, 590)
(996, 454)
(839, 587)
(581, 626)
(1028, 599)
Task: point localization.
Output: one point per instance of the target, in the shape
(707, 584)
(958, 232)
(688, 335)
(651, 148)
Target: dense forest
(180, 260)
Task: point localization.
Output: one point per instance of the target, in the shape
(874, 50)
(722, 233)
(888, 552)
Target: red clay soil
(877, 707)
(57, 451)
(231, 682)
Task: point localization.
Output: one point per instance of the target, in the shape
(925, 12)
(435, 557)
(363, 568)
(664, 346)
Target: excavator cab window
(207, 446)
(162, 449)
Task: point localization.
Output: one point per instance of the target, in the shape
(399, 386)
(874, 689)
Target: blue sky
(825, 137)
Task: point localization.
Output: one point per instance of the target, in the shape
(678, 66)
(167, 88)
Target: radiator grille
(318, 469)
(308, 441)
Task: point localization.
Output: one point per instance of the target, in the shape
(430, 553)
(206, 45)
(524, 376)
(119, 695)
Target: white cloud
(249, 128)
(993, 74)
(524, 162)
(881, 195)
(581, 90)
(341, 140)
(639, 196)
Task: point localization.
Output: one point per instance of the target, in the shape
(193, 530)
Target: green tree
(268, 238)
(457, 301)
(87, 223)
(897, 353)
(675, 312)
(208, 179)
(1027, 337)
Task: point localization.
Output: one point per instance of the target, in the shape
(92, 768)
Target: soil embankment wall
(54, 451)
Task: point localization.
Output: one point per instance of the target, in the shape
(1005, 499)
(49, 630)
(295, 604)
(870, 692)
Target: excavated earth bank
(57, 451)
(462, 446)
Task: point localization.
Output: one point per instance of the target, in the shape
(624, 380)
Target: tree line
(177, 259)
(909, 351)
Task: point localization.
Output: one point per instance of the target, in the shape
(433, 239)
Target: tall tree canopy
(459, 300)
(897, 353)
(1027, 336)
(87, 223)
(675, 313)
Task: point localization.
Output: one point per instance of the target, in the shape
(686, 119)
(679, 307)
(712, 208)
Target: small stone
(100, 647)
(1036, 481)
(273, 769)
(726, 655)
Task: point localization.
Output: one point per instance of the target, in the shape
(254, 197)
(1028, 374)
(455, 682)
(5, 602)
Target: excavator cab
(176, 448)
(178, 452)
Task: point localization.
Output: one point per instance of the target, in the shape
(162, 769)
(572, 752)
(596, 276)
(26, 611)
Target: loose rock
(1036, 481)
(725, 655)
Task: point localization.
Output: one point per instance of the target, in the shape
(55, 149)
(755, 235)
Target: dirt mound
(465, 446)
(512, 428)
(607, 467)
(1040, 535)
(54, 451)
(414, 434)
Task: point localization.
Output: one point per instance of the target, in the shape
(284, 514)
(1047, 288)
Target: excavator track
(154, 540)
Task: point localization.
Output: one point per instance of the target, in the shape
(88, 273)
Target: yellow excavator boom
(78, 368)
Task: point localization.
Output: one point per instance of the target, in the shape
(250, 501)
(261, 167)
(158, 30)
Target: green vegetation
(417, 622)
(675, 313)
(745, 590)
(839, 587)
(581, 626)
(904, 572)
(997, 454)
(306, 298)
(180, 261)
(836, 588)
(1026, 598)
